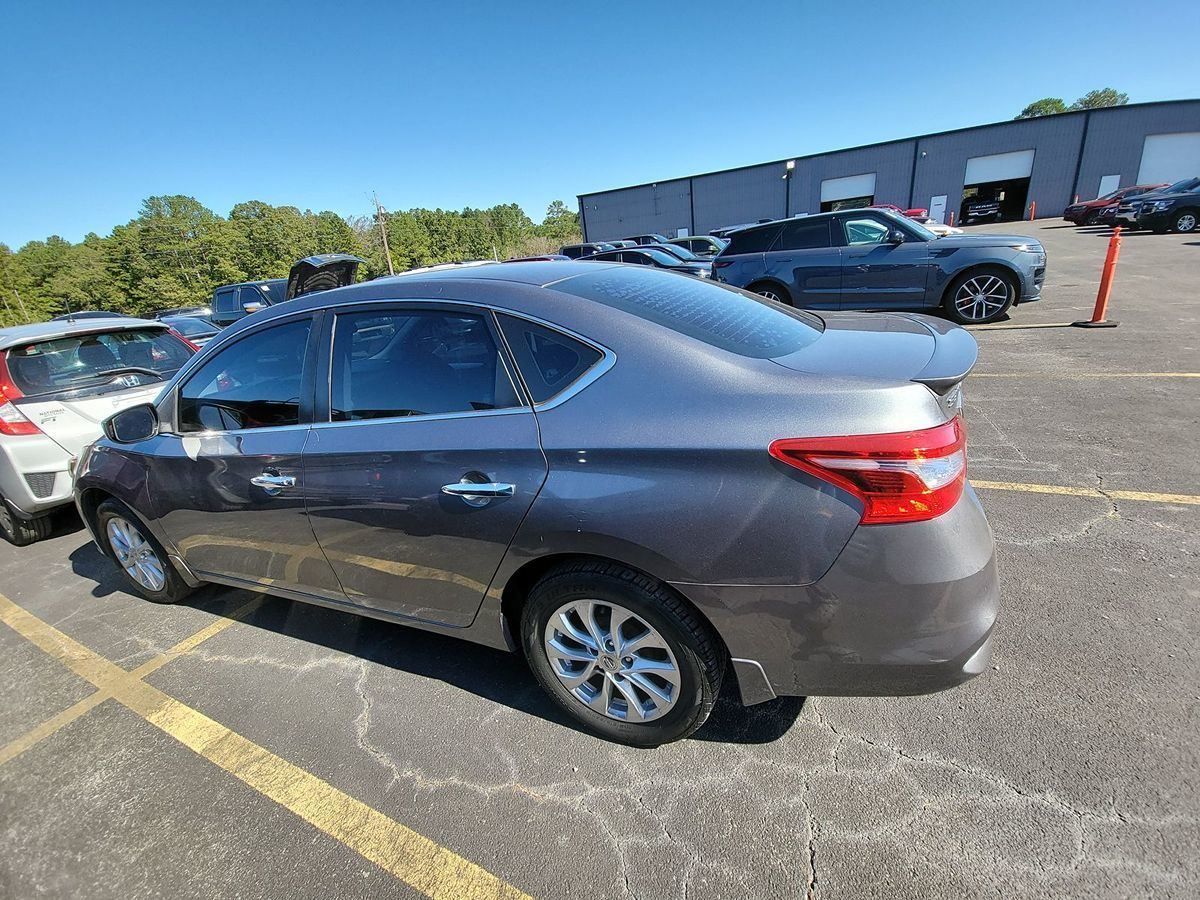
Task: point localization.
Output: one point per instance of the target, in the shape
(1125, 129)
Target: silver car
(59, 381)
(644, 482)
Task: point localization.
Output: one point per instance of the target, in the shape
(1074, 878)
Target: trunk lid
(75, 423)
(889, 346)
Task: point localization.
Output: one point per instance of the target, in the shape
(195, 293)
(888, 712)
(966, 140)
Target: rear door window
(399, 363)
(753, 240)
(801, 234)
(549, 361)
(226, 303)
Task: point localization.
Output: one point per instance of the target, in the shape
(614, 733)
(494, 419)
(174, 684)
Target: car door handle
(273, 484)
(472, 491)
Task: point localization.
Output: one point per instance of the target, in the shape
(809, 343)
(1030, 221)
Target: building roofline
(904, 140)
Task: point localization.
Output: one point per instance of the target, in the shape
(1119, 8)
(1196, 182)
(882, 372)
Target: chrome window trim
(427, 417)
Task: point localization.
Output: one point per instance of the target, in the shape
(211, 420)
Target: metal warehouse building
(1047, 160)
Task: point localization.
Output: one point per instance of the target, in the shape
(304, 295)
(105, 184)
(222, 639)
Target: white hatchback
(59, 381)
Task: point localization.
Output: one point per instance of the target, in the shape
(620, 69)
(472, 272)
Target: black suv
(231, 302)
(1174, 208)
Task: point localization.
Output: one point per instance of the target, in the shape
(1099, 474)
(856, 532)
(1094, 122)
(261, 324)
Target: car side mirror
(253, 307)
(895, 236)
(138, 423)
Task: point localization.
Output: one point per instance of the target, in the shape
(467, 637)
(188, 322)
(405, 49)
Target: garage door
(1170, 157)
(847, 188)
(999, 167)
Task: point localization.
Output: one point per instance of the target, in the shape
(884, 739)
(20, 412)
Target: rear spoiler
(954, 355)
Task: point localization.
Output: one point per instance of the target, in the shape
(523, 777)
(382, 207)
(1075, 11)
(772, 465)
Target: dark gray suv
(642, 481)
(875, 259)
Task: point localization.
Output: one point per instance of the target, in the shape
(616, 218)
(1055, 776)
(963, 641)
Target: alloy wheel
(612, 661)
(981, 297)
(135, 554)
(1185, 223)
(770, 295)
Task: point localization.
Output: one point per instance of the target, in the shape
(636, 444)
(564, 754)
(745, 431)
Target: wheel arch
(976, 268)
(768, 281)
(519, 584)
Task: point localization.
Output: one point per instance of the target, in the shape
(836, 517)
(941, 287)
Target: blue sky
(452, 104)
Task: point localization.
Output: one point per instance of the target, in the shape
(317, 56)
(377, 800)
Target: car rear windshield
(92, 360)
(721, 316)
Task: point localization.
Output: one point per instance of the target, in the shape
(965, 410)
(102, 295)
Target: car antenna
(70, 312)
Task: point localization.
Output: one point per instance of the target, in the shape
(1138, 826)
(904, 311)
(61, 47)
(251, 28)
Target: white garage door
(999, 167)
(1170, 157)
(846, 188)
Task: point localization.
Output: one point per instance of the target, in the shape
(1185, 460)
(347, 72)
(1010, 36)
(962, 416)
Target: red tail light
(910, 476)
(722, 263)
(12, 420)
(195, 347)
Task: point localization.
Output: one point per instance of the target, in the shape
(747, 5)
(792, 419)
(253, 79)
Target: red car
(1088, 212)
(914, 213)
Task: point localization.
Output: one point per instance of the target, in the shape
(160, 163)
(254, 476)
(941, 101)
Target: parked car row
(1155, 207)
(698, 245)
(473, 451)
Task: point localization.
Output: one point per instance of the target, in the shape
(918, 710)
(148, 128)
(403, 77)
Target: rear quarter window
(752, 240)
(723, 317)
(549, 360)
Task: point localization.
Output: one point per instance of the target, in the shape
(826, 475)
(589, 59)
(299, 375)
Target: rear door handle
(273, 484)
(470, 490)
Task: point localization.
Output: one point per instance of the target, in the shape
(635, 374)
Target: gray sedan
(644, 482)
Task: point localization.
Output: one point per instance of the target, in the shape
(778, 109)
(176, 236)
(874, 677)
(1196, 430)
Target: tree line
(177, 250)
(1050, 106)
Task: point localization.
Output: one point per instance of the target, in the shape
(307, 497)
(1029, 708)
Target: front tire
(22, 532)
(1185, 222)
(980, 296)
(144, 564)
(621, 653)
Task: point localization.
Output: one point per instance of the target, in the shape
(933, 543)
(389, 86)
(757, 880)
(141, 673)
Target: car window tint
(864, 231)
(637, 259)
(804, 235)
(549, 361)
(723, 317)
(252, 294)
(413, 363)
(253, 383)
(753, 240)
(227, 302)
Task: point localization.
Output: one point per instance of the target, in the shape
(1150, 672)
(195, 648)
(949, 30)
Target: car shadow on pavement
(495, 675)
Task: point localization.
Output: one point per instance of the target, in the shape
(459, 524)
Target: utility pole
(24, 311)
(383, 233)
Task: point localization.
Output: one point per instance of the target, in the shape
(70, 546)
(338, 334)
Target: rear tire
(980, 296)
(143, 562)
(772, 292)
(22, 532)
(660, 655)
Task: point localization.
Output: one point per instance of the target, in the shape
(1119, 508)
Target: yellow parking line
(413, 858)
(1146, 496)
(18, 746)
(1085, 375)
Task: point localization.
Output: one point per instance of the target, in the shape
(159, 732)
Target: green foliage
(176, 251)
(1099, 99)
(1047, 106)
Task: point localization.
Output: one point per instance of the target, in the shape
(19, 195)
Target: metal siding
(1054, 140)
(1113, 144)
(661, 208)
(732, 198)
(892, 165)
(1116, 136)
